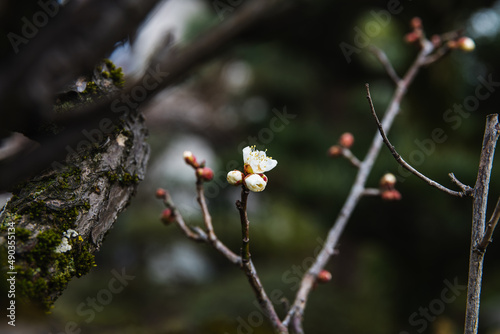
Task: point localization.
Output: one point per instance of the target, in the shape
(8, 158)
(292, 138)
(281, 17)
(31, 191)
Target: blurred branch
(371, 192)
(207, 219)
(480, 194)
(173, 66)
(77, 37)
(346, 153)
(382, 57)
(403, 163)
(196, 235)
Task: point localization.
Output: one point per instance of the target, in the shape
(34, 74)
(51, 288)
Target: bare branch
(249, 269)
(382, 57)
(400, 160)
(491, 134)
(207, 219)
(490, 228)
(197, 234)
(465, 188)
(297, 310)
(346, 153)
(371, 192)
(245, 225)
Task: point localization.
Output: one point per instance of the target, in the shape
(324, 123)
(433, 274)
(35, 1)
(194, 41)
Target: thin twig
(207, 218)
(245, 225)
(465, 188)
(346, 153)
(197, 234)
(248, 267)
(297, 310)
(371, 192)
(188, 232)
(490, 228)
(481, 187)
(400, 160)
(382, 57)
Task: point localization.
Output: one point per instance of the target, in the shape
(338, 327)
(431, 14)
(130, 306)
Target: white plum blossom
(257, 161)
(234, 177)
(255, 182)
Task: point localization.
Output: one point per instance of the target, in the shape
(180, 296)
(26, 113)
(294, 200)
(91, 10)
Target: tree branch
(491, 134)
(402, 162)
(245, 225)
(173, 66)
(248, 267)
(382, 57)
(244, 262)
(346, 153)
(490, 228)
(296, 311)
(207, 218)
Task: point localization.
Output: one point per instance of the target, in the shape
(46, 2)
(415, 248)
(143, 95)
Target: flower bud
(388, 181)
(263, 177)
(391, 195)
(235, 177)
(167, 216)
(335, 151)
(346, 140)
(190, 159)
(205, 173)
(416, 23)
(466, 44)
(160, 193)
(255, 182)
(324, 276)
(452, 44)
(411, 37)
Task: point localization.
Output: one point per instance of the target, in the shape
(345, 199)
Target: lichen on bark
(84, 193)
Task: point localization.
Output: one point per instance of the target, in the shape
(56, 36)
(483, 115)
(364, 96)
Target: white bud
(234, 177)
(255, 182)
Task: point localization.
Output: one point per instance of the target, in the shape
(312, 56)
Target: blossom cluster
(256, 163)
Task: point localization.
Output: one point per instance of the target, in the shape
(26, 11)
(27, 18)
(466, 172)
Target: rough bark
(491, 134)
(83, 193)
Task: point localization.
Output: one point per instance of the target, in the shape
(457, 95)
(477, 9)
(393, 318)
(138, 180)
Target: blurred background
(288, 87)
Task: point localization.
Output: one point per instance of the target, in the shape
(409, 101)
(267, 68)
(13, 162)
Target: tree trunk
(59, 218)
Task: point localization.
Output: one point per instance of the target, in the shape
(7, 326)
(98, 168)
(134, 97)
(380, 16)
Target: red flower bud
(160, 193)
(335, 151)
(391, 195)
(416, 23)
(190, 159)
(411, 37)
(167, 216)
(324, 276)
(346, 140)
(205, 173)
